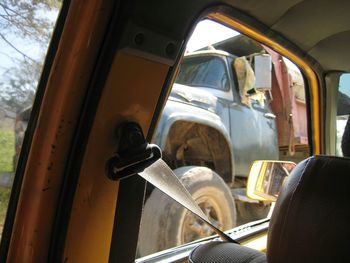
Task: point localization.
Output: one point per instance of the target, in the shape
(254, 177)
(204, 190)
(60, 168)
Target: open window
(234, 101)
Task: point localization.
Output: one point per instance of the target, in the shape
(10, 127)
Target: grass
(7, 150)
(4, 200)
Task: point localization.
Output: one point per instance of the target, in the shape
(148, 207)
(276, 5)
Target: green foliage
(7, 140)
(7, 150)
(4, 200)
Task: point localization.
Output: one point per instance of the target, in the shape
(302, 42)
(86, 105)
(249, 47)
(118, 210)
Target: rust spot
(53, 148)
(50, 166)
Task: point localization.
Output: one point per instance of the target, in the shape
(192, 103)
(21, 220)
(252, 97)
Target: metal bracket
(149, 44)
(134, 153)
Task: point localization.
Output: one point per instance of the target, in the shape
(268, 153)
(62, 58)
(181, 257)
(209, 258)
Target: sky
(208, 32)
(344, 84)
(9, 56)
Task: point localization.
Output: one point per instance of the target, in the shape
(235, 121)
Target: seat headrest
(345, 143)
(311, 216)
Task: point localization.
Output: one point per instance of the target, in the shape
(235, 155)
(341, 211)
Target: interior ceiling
(320, 28)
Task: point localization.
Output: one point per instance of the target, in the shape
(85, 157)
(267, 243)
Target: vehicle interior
(114, 62)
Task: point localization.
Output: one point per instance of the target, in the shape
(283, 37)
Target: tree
(19, 89)
(32, 22)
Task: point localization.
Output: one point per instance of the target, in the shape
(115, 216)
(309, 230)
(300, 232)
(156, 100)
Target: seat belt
(136, 156)
(161, 176)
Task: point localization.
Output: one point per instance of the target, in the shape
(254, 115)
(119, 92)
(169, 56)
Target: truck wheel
(167, 224)
(248, 212)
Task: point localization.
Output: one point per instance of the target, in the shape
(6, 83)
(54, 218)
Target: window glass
(25, 31)
(211, 143)
(203, 72)
(343, 109)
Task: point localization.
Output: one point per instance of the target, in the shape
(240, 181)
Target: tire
(248, 212)
(167, 224)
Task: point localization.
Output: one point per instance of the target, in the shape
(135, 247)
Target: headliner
(320, 28)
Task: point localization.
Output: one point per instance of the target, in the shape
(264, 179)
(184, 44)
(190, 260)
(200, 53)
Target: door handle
(270, 115)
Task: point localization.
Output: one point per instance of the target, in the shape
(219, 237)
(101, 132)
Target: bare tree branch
(27, 21)
(19, 51)
(7, 8)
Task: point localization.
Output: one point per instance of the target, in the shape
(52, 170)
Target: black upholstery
(225, 252)
(310, 219)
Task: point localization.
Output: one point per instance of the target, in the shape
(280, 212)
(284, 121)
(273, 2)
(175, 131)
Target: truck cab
(208, 80)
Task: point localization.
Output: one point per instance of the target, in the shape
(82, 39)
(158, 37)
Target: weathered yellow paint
(310, 74)
(258, 242)
(131, 92)
(51, 142)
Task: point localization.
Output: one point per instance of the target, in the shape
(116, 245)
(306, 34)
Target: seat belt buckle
(134, 153)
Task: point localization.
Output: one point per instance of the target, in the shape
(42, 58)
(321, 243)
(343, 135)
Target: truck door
(252, 128)
(209, 72)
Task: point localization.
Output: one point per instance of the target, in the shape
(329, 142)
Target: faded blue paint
(249, 133)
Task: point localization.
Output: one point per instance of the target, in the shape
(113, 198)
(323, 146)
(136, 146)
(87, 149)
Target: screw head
(139, 39)
(170, 49)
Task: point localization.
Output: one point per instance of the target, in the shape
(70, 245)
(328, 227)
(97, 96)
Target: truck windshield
(203, 72)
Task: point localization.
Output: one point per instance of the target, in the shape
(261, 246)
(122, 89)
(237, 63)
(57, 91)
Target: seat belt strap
(161, 176)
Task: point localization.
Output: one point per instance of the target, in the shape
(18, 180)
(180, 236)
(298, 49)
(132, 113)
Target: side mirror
(262, 69)
(266, 179)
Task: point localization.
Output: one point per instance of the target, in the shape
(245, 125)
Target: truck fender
(214, 122)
